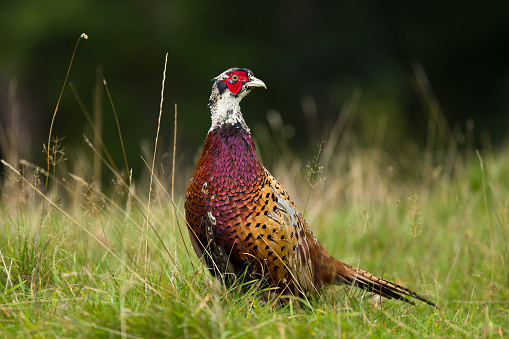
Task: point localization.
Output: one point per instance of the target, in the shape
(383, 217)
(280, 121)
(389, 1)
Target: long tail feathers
(377, 285)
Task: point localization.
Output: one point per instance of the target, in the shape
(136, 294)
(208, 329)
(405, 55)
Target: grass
(78, 260)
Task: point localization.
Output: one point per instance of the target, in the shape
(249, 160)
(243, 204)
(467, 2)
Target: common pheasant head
(229, 88)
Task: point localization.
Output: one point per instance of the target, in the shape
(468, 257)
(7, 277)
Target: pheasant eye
(235, 77)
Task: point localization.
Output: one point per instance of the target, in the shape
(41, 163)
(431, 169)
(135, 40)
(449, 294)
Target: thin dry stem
(147, 218)
(118, 124)
(173, 219)
(84, 36)
(98, 126)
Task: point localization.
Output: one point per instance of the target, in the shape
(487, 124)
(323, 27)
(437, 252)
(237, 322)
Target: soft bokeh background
(315, 57)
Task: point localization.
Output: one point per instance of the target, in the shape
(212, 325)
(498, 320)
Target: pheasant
(241, 220)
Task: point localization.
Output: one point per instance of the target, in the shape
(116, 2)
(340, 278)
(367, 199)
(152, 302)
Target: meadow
(83, 259)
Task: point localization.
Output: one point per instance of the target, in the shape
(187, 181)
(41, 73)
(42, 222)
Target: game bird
(242, 221)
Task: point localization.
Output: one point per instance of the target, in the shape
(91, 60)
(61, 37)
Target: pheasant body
(235, 206)
(241, 219)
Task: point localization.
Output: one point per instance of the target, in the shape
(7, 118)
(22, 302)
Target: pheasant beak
(254, 82)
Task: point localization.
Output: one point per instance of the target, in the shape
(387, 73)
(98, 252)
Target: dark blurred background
(314, 57)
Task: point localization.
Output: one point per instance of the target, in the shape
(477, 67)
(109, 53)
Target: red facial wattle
(235, 80)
